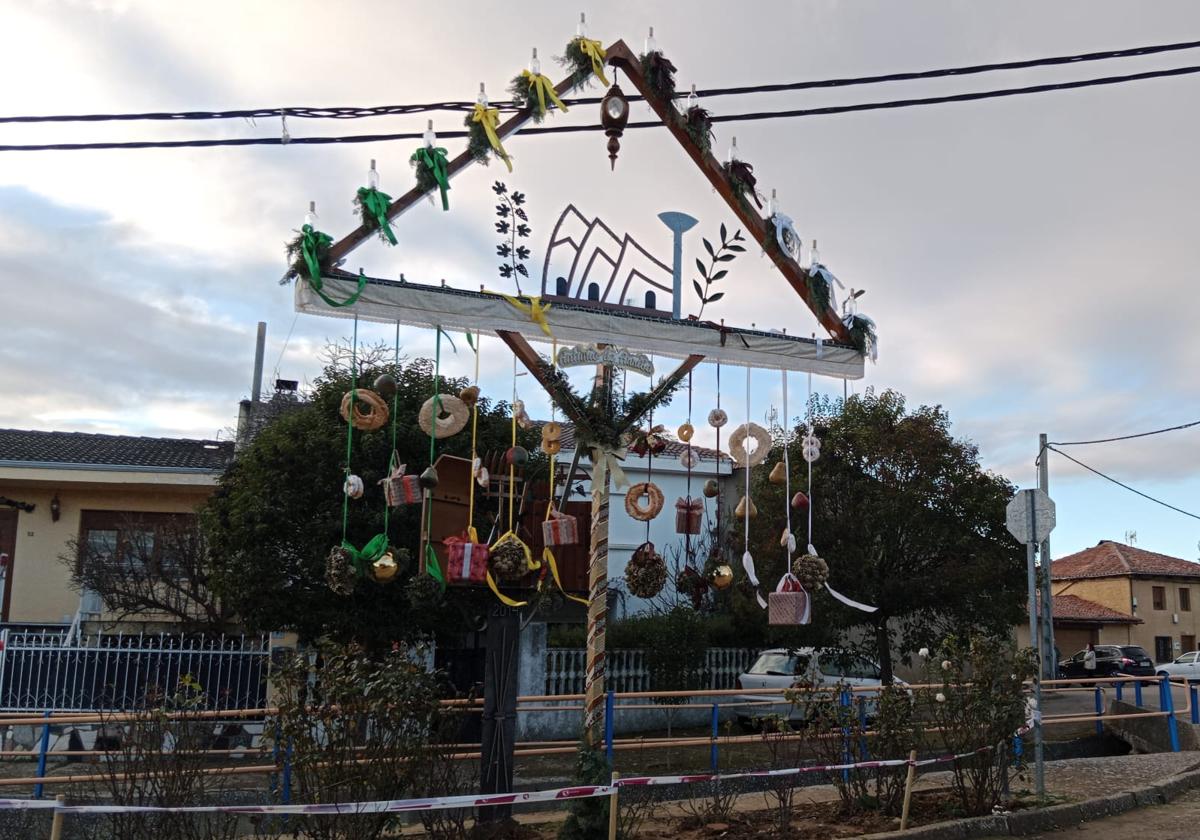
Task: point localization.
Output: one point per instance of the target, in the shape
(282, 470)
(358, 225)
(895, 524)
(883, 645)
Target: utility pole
(1049, 658)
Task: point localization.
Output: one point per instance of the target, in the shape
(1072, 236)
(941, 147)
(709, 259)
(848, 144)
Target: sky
(1030, 262)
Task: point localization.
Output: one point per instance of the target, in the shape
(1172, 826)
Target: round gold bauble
(721, 577)
(384, 569)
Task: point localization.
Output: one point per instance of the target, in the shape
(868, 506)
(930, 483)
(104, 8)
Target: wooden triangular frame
(620, 56)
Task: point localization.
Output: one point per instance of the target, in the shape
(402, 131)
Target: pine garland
(862, 334)
(518, 89)
(818, 289)
(297, 266)
(425, 178)
(578, 63)
(369, 221)
(477, 141)
(741, 178)
(697, 122)
(659, 74)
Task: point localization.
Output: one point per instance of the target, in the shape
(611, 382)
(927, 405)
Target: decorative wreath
(737, 445)
(370, 411)
(633, 501)
(717, 418)
(646, 573)
(453, 420)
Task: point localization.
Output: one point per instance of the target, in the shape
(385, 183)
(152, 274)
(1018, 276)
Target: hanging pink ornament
(799, 501)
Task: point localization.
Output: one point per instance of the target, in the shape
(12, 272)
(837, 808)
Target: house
(1079, 622)
(1154, 590)
(666, 471)
(61, 489)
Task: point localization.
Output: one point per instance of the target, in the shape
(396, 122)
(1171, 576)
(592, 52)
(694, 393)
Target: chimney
(246, 408)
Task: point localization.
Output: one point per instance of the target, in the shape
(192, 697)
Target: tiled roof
(1074, 608)
(1113, 559)
(674, 448)
(24, 447)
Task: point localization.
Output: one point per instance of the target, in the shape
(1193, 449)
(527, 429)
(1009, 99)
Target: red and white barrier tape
(471, 800)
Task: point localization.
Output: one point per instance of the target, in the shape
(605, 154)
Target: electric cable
(571, 129)
(1124, 437)
(1122, 484)
(342, 112)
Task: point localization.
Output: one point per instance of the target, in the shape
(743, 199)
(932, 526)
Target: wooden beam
(619, 55)
(661, 390)
(537, 368)
(342, 248)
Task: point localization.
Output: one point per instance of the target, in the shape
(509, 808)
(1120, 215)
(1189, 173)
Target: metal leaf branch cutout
(512, 223)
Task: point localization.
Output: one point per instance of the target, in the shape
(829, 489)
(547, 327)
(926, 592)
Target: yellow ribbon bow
(594, 51)
(535, 309)
(605, 460)
(489, 118)
(541, 84)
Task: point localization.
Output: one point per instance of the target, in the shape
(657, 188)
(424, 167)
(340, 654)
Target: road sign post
(1030, 518)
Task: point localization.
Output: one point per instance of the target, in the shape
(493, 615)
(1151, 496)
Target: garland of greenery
(579, 63)
(297, 265)
(370, 200)
(697, 122)
(659, 73)
(819, 293)
(478, 145)
(427, 179)
(741, 178)
(862, 335)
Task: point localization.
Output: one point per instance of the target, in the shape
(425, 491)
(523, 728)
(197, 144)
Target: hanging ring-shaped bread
(551, 431)
(370, 411)
(737, 445)
(453, 420)
(633, 501)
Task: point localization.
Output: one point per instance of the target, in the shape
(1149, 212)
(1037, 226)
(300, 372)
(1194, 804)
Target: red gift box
(467, 561)
(400, 489)
(688, 514)
(560, 529)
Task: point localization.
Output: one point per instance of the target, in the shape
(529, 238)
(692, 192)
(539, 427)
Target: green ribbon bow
(312, 242)
(372, 551)
(376, 203)
(432, 567)
(434, 159)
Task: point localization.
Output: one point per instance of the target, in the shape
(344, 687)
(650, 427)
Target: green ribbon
(312, 242)
(434, 159)
(376, 203)
(372, 551)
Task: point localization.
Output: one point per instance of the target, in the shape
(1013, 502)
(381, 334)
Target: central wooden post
(594, 682)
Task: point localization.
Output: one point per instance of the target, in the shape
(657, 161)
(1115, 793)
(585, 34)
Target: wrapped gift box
(467, 562)
(788, 604)
(688, 515)
(560, 529)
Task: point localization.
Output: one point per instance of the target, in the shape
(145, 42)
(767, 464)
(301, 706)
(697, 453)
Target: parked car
(1111, 661)
(785, 668)
(1186, 666)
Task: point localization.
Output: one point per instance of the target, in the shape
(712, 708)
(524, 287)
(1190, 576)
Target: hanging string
(547, 553)
(809, 426)
(432, 567)
(393, 458)
(787, 469)
(717, 466)
(687, 537)
(746, 506)
(471, 532)
(350, 430)
(512, 467)
(650, 452)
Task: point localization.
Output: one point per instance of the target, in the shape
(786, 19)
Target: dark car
(1111, 661)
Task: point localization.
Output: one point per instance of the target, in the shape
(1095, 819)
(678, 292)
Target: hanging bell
(685, 432)
(711, 489)
(384, 569)
(799, 501)
(429, 478)
(778, 474)
(745, 508)
(469, 395)
(385, 385)
(518, 456)
(721, 577)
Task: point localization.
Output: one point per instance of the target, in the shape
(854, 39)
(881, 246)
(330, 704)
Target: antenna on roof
(1131, 537)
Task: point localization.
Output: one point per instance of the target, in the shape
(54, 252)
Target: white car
(785, 668)
(1186, 666)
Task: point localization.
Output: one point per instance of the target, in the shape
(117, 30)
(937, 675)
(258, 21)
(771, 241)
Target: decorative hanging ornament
(785, 234)
(799, 501)
(654, 501)
(721, 577)
(339, 571)
(429, 478)
(646, 572)
(810, 447)
(811, 571)
(384, 569)
(787, 540)
(517, 456)
(551, 447)
(737, 445)
(353, 487)
(385, 384)
(370, 412)
(688, 459)
(711, 489)
(685, 432)
(778, 473)
(489, 120)
(745, 507)
(614, 114)
(648, 441)
(469, 395)
(522, 416)
(551, 431)
(717, 418)
(452, 416)
(509, 559)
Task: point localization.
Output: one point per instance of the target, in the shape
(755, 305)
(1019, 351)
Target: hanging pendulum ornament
(516, 456)
(721, 577)
(778, 473)
(711, 489)
(385, 385)
(745, 508)
(810, 446)
(429, 478)
(384, 569)
(799, 501)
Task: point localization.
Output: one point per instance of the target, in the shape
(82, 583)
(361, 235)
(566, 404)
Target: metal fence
(49, 670)
(626, 669)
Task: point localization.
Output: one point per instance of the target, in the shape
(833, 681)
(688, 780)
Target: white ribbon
(752, 576)
(849, 602)
(872, 338)
(830, 281)
(604, 461)
(783, 226)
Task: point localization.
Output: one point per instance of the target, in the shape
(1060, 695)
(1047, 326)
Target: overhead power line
(571, 129)
(1125, 437)
(341, 112)
(1124, 485)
